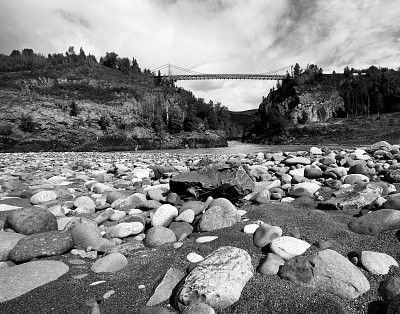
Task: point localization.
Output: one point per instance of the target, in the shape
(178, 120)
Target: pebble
(288, 247)
(194, 257)
(206, 239)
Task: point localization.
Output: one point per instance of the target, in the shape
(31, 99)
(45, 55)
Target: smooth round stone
(113, 196)
(206, 239)
(270, 266)
(101, 188)
(43, 197)
(85, 204)
(104, 216)
(312, 172)
(223, 203)
(392, 202)
(8, 240)
(376, 222)
(315, 151)
(194, 257)
(186, 216)
(358, 169)
(265, 234)
(164, 215)
(177, 245)
(110, 263)
(297, 160)
(250, 228)
(180, 228)
(298, 192)
(86, 235)
(31, 220)
(125, 229)
(310, 187)
(288, 247)
(353, 178)
(157, 193)
(196, 206)
(377, 263)
(117, 215)
(390, 288)
(173, 198)
(158, 235)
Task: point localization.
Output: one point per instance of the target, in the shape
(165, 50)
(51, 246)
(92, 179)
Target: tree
(82, 54)
(15, 53)
(110, 60)
(297, 70)
(27, 52)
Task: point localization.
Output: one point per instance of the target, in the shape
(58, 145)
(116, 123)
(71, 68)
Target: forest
(160, 104)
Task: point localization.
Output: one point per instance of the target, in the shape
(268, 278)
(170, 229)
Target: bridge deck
(225, 77)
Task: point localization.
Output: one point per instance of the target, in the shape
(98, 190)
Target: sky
(212, 36)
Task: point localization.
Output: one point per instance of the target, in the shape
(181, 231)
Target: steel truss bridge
(175, 73)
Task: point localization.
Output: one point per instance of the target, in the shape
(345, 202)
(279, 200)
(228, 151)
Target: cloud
(73, 18)
(213, 36)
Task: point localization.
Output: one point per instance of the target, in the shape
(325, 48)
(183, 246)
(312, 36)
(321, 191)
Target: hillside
(74, 102)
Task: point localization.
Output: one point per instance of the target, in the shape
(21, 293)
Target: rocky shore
(285, 232)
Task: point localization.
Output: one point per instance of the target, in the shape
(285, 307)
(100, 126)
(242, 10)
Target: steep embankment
(83, 110)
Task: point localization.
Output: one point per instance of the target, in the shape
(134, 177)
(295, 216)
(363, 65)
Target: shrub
(6, 128)
(27, 124)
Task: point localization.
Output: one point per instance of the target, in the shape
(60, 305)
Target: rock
(355, 179)
(218, 280)
(125, 229)
(217, 217)
(250, 228)
(194, 257)
(394, 305)
(101, 188)
(327, 271)
(86, 235)
(164, 215)
(196, 206)
(85, 204)
(164, 289)
(382, 145)
(315, 151)
(390, 288)
(180, 228)
(265, 234)
(377, 263)
(270, 266)
(31, 220)
(356, 198)
(312, 172)
(110, 263)
(199, 308)
(299, 192)
(297, 161)
(358, 169)
(392, 202)
(393, 176)
(8, 240)
(376, 222)
(186, 216)
(173, 199)
(113, 196)
(310, 187)
(232, 182)
(159, 235)
(20, 279)
(206, 239)
(288, 247)
(42, 244)
(43, 197)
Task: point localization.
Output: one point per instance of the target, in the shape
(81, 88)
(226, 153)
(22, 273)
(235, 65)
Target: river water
(235, 147)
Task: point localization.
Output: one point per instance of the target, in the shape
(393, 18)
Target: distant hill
(73, 101)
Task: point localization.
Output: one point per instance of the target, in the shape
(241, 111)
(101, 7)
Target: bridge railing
(183, 77)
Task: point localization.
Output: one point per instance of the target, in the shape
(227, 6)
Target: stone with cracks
(327, 271)
(217, 280)
(216, 179)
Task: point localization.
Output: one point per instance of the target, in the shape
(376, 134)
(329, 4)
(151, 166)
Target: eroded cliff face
(312, 105)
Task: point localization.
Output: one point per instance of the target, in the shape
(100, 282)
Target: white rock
(315, 151)
(309, 186)
(164, 215)
(287, 199)
(377, 263)
(186, 216)
(250, 228)
(206, 239)
(288, 247)
(117, 215)
(297, 172)
(125, 229)
(43, 197)
(194, 257)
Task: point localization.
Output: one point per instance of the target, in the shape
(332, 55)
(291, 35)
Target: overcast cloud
(212, 36)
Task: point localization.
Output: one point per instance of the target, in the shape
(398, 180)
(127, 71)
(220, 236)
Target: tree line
(159, 103)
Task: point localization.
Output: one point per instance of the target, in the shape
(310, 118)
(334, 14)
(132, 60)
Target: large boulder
(217, 280)
(328, 271)
(216, 179)
(31, 220)
(220, 214)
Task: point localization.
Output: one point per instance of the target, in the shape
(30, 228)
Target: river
(235, 147)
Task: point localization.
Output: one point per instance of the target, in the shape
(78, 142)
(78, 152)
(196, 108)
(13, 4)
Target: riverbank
(276, 174)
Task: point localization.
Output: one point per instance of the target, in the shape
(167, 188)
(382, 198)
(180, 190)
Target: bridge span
(176, 73)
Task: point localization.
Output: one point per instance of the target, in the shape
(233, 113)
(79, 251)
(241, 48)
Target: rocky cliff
(308, 106)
